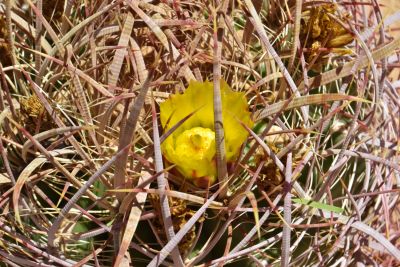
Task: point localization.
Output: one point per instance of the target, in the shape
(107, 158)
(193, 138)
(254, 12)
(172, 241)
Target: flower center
(196, 143)
(198, 140)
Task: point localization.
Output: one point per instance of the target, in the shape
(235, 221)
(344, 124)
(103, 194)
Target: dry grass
(82, 177)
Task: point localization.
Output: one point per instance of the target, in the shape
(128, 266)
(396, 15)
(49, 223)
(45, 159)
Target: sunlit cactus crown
(191, 147)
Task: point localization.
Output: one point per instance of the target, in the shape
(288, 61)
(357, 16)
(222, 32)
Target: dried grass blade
(253, 231)
(133, 221)
(4, 155)
(255, 19)
(229, 24)
(218, 122)
(303, 101)
(253, 202)
(371, 64)
(37, 36)
(162, 255)
(115, 67)
(69, 35)
(31, 246)
(3, 115)
(126, 137)
(98, 33)
(162, 184)
(296, 32)
(140, 64)
(51, 159)
(364, 228)
(14, 259)
(11, 43)
(221, 231)
(265, 147)
(287, 212)
(88, 258)
(26, 27)
(83, 104)
(173, 128)
(343, 71)
(161, 36)
(179, 195)
(56, 119)
(248, 27)
(368, 156)
(83, 189)
(24, 176)
(247, 251)
(67, 12)
(47, 134)
(173, 194)
(93, 54)
(366, 34)
(378, 237)
(77, 72)
(48, 27)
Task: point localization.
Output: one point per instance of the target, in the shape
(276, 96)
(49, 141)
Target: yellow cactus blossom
(191, 147)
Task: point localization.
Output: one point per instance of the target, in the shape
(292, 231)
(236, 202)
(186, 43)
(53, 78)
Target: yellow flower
(191, 147)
